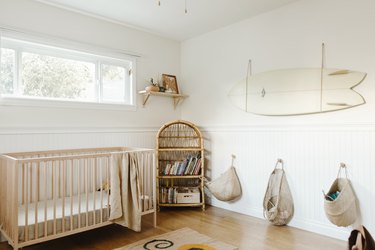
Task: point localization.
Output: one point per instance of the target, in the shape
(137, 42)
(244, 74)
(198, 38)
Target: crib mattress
(96, 212)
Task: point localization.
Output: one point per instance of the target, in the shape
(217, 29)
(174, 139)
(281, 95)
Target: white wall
(158, 55)
(32, 128)
(312, 146)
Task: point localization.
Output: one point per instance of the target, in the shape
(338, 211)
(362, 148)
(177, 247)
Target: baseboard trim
(311, 226)
(323, 229)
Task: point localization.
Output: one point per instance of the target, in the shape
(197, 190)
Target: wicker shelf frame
(174, 142)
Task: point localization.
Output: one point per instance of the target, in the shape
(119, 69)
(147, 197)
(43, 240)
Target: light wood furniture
(177, 98)
(51, 194)
(176, 143)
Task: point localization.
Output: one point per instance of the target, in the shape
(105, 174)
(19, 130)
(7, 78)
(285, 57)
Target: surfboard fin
(337, 104)
(339, 72)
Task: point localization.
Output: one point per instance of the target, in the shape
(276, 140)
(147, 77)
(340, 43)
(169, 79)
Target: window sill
(47, 103)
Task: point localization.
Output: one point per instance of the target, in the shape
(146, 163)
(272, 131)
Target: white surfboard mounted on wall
(298, 91)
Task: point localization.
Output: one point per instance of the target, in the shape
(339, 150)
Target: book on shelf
(183, 167)
(179, 168)
(175, 169)
(197, 167)
(188, 162)
(167, 169)
(163, 195)
(171, 195)
(190, 165)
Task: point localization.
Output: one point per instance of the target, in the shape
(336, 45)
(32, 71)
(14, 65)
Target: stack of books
(189, 166)
(168, 195)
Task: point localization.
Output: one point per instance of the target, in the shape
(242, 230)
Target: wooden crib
(51, 194)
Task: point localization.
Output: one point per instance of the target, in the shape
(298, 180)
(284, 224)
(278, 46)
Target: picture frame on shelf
(170, 83)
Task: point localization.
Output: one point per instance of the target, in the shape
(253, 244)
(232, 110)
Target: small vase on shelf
(154, 87)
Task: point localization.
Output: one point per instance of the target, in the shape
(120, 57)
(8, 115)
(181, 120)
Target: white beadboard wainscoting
(34, 139)
(311, 155)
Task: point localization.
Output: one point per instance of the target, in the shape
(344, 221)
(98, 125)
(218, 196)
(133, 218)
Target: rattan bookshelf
(180, 165)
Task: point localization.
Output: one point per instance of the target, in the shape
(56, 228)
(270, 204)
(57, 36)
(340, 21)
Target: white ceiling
(169, 19)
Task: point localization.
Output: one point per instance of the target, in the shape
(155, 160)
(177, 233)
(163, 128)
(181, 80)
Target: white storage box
(188, 195)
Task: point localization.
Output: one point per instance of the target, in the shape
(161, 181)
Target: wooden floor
(239, 230)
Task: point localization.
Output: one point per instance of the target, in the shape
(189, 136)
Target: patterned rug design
(182, 239)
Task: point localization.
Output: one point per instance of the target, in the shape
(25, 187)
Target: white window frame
(81, 54)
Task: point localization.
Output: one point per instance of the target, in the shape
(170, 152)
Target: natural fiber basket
(341, 211)
(278, 206)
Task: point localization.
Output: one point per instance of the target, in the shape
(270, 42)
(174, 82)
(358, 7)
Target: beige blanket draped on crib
(125, 190)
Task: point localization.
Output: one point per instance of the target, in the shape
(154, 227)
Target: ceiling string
(186, 10)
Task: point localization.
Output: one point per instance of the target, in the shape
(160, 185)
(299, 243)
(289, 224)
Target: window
(7, 71)
(35, 72)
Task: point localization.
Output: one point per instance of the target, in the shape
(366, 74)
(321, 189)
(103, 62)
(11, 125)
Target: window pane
(113, 80)
(54, 77)
(7, 71)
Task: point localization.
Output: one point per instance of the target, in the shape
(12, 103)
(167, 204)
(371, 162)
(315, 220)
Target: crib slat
(79, 193)
(152, 183)
(142, 194)
(58, 182)
(45, 198)
(37, 199)
(145, 193)
(101, 188)
(154, 201)
(94, 165)
(3, 185)
(107, 178)
(71, 195)
(63, 193)
(14, 180)
(150, 180)
(30, 169)
(3, 190)
(26, 203)
(146, 179)
(38, 181)
(87, 190)
(143, 181)
(23, 183)
(54, 182)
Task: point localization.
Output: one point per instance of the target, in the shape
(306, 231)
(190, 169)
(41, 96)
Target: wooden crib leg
(155, 222)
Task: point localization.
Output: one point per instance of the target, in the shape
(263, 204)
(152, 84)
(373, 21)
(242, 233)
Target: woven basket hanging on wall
(227, 186)
(278, 206)
(340, 202)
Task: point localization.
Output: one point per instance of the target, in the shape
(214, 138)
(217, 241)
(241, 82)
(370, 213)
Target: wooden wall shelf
(177, 98)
